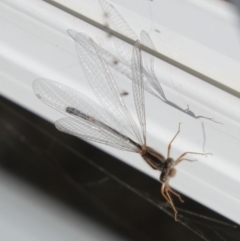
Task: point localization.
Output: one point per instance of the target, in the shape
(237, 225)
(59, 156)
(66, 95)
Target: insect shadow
(123, 50)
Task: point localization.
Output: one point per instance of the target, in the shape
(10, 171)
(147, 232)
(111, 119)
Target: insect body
(111, 123)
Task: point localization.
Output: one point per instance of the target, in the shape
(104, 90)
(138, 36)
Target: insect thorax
(168, 170)
(153, 158)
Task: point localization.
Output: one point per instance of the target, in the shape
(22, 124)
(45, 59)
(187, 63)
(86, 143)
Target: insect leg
(169, 146)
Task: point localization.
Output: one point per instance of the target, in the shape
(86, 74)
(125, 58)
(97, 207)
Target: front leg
(169, 146)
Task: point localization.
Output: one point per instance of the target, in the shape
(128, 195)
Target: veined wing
(93, 130)
(148, 64)
(123, 49)
(118, 23)
(103, 84)
(116, 64)
(138, 90)
(109, 58)
(64, 98)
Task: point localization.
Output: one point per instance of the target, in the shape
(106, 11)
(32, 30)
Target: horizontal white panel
(34, 44)
(201, 35)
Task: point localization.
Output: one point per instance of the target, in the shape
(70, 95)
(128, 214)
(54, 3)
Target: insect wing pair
(111, 123)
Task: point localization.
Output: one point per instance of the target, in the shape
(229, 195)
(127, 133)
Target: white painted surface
(34, 44)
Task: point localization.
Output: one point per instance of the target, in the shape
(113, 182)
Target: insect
(111, 123)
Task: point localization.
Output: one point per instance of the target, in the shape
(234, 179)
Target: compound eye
(172, 172)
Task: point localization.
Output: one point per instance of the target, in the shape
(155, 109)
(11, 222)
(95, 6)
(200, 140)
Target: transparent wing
(118, 23)
(103, 84)
(109, 58)
(116, 64)
(124, 69)
(148, 64)
(62, 97)
(93, 130)
(138, 90)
